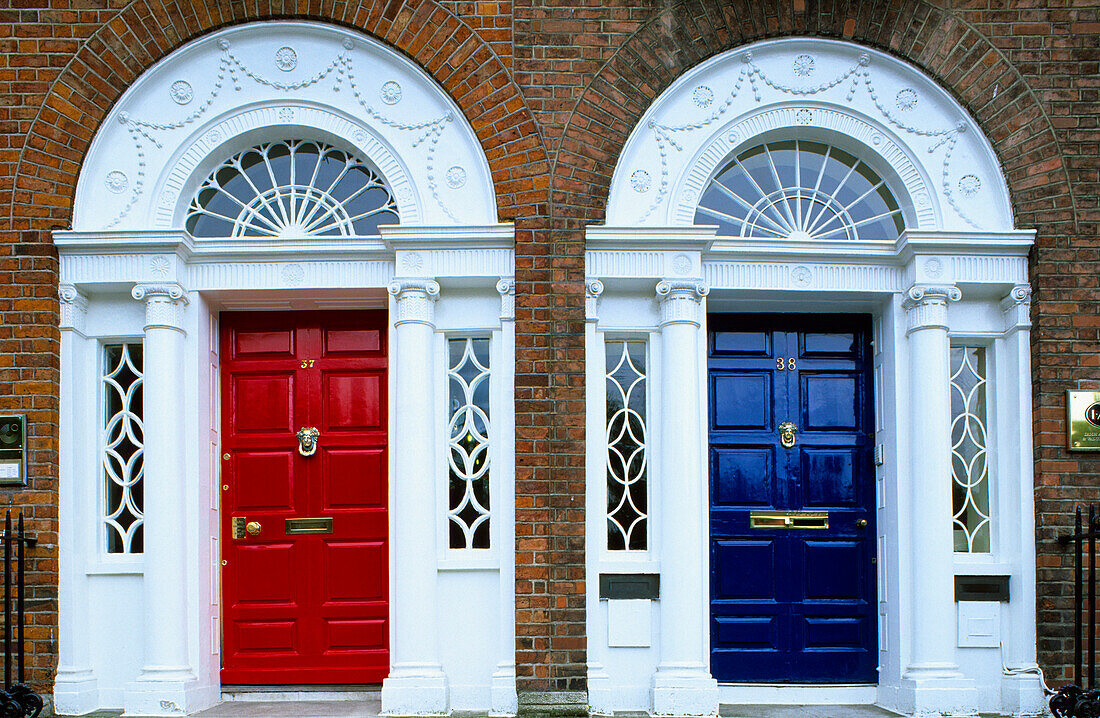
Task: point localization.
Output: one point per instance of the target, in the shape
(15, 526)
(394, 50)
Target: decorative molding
(506, 287)
(593, 288)
(314, 80)
(74, 308)
(1017, 307)
(888, 105)
(415, 300)
(926, 305)
(681, 301)
(164, 305)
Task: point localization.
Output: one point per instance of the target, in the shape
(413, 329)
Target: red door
(304, 538)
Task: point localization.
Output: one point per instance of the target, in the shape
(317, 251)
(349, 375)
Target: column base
(415, 690)
(75, 692)
(937, 690)
(1022, 695)
(553, 704)
(503, 691)
(684, 691)
(163, 692)
(601, 697)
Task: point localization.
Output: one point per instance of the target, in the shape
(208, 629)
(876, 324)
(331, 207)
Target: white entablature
(913, 133)
(254, 83)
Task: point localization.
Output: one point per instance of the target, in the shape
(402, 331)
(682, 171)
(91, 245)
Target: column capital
(74, 308)
(680, 300)
(1017, 307)
(926, 305)
(164, 303)
(506, 287)
(593, 288)
(415, 300)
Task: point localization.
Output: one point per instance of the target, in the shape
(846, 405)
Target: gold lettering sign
(1083, 420)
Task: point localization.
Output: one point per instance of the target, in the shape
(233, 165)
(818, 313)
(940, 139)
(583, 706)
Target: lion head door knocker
(307, 440)
(786, 434)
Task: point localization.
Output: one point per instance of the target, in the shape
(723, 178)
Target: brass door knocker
(786, 434)
(307, 440)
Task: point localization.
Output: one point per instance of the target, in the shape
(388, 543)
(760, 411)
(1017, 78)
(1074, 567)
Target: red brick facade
(553, 89)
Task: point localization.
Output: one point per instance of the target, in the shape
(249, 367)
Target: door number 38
(788, 364)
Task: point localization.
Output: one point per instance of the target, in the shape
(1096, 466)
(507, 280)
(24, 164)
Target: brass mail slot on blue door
(789, 520)
(309, 526)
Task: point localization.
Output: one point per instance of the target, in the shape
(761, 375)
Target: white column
(682, 685)
(166, 685)
(932, 682)
(416, 684)
(504, 700)
(1021, 692)
(75, 689)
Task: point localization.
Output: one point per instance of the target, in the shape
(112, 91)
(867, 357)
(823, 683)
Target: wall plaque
(1083, 420)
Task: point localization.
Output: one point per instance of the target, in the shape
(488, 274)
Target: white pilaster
(932, 684)
(167, 684)
(416, 684)
(682, 684)
(504, 700)
(1021, 691)
(76, 687)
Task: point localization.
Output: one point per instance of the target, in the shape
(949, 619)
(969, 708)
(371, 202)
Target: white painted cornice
(1013, 243)
(69, 242)
(492, 236)
(696, 238)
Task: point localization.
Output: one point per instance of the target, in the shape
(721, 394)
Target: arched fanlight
(291, 188)
(800, 190)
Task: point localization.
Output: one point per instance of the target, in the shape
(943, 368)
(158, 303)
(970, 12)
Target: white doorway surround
(950, 281)
(140, 616)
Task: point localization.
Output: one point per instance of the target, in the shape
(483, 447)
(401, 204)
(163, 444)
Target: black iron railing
(17, 700)
(1081, 699)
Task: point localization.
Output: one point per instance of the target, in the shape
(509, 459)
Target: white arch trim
(274, 80)
(942, 166)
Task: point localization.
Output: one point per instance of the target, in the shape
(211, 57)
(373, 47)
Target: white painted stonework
(142, 631)
(958, 272)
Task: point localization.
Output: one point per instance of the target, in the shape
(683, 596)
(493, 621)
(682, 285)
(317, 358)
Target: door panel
(305, 607)
(791, 604)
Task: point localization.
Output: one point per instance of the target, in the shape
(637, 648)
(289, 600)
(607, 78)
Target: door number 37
(306, 363)
(788, 364)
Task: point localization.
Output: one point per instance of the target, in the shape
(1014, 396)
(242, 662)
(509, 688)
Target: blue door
(792, 547)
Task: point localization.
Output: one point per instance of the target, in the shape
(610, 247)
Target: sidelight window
(468, 442)
(288, 189)
(123, 448)
(969, 458)
(627, 448)
(800, 190)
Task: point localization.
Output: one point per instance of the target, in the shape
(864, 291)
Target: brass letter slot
(308, 526)
(789, 520)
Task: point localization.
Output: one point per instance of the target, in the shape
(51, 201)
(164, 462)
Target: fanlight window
(291, 188)
(800, 190)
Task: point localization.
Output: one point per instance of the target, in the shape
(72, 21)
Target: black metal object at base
(20, 701)
(1073, 702)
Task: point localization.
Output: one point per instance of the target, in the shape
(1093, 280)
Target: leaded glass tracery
(969, 460)
(124, 448)
(290, 189)
(801, 190)
(627, 469)
(468, 442)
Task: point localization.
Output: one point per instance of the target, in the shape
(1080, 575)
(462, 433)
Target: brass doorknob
(252, 527)
(862, 523)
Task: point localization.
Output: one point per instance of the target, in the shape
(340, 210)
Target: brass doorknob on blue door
(786, 434)
(862, 523)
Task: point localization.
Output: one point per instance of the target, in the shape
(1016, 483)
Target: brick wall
(553, 88)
